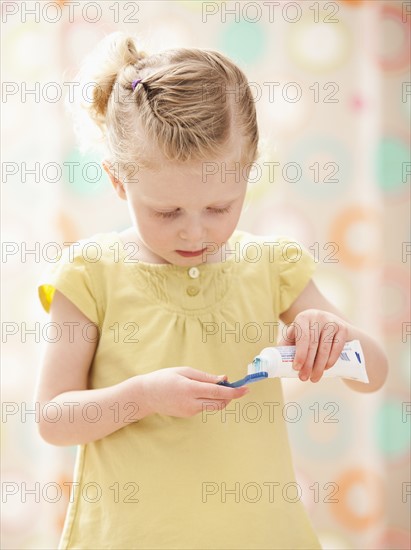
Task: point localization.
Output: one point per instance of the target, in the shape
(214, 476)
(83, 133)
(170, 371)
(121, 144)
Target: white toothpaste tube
(278, 362)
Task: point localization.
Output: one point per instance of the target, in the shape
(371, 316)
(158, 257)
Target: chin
(195, 260)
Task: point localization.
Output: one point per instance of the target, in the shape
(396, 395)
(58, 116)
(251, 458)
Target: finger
(214, 391)
(309, 343)
(288, 339)
(306, 369)
(322, 356)
(201, 376)
(338, 345)
(302, 343)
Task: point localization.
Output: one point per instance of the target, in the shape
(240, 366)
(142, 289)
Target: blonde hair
(189, 104)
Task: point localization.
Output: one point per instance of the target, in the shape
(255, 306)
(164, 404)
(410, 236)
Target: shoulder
(85, 262)
(78, 272)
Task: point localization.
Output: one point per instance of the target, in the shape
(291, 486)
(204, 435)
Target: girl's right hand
(183, 391)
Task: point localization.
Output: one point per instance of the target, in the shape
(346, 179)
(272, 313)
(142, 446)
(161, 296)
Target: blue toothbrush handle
(255, 377)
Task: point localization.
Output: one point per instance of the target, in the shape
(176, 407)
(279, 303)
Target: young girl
(167, 458)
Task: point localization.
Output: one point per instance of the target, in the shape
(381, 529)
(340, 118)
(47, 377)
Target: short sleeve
(295, 267)
(71, 276)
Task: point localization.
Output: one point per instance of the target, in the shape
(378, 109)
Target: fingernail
(304, 377)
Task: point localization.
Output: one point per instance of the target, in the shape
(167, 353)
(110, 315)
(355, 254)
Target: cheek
(146, 224)
(221, 229)
(154, 231)
(232, 221)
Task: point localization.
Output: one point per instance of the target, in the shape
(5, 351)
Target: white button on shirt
(193, 272)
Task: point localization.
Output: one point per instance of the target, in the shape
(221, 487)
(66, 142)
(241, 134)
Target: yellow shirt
(212, 481)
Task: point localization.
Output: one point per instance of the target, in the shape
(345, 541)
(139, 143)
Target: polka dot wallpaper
(332, 87)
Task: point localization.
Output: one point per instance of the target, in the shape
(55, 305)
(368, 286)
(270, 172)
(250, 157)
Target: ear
(117, 184)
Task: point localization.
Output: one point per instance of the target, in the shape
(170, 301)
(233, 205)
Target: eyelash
(175, 213)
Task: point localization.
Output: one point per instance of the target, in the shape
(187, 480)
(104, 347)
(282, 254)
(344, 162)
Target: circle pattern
(393, 22)
(317, 45)
(360, 499)
(244, 42)
(325, 167)
(352, 230)
(392, 429)
(323, 434)
(393, 165)
(84, 174)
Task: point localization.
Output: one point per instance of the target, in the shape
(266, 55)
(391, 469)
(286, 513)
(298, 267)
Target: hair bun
(102, 66)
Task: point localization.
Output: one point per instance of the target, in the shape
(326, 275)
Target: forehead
(178, 184)
(211, 175)
(199, 170)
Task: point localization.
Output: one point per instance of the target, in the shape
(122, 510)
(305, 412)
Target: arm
(175, 391)
(63, 379)
(312, 307)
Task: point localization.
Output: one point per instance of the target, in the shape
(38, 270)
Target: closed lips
(191, 251)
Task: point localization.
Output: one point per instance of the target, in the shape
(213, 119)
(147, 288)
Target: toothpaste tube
(278, 362)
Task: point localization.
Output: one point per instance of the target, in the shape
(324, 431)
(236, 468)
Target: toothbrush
(255, 377)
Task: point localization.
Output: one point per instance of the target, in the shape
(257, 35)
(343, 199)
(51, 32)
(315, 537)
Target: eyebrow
(212, 205)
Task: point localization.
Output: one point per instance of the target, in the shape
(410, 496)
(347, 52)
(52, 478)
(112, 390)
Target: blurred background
(332, 86)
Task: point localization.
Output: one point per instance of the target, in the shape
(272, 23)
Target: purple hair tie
(134, 83)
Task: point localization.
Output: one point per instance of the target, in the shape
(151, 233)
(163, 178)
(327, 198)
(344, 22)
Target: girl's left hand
(319, 337)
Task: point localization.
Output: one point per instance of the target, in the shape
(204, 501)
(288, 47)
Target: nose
(193, 231)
